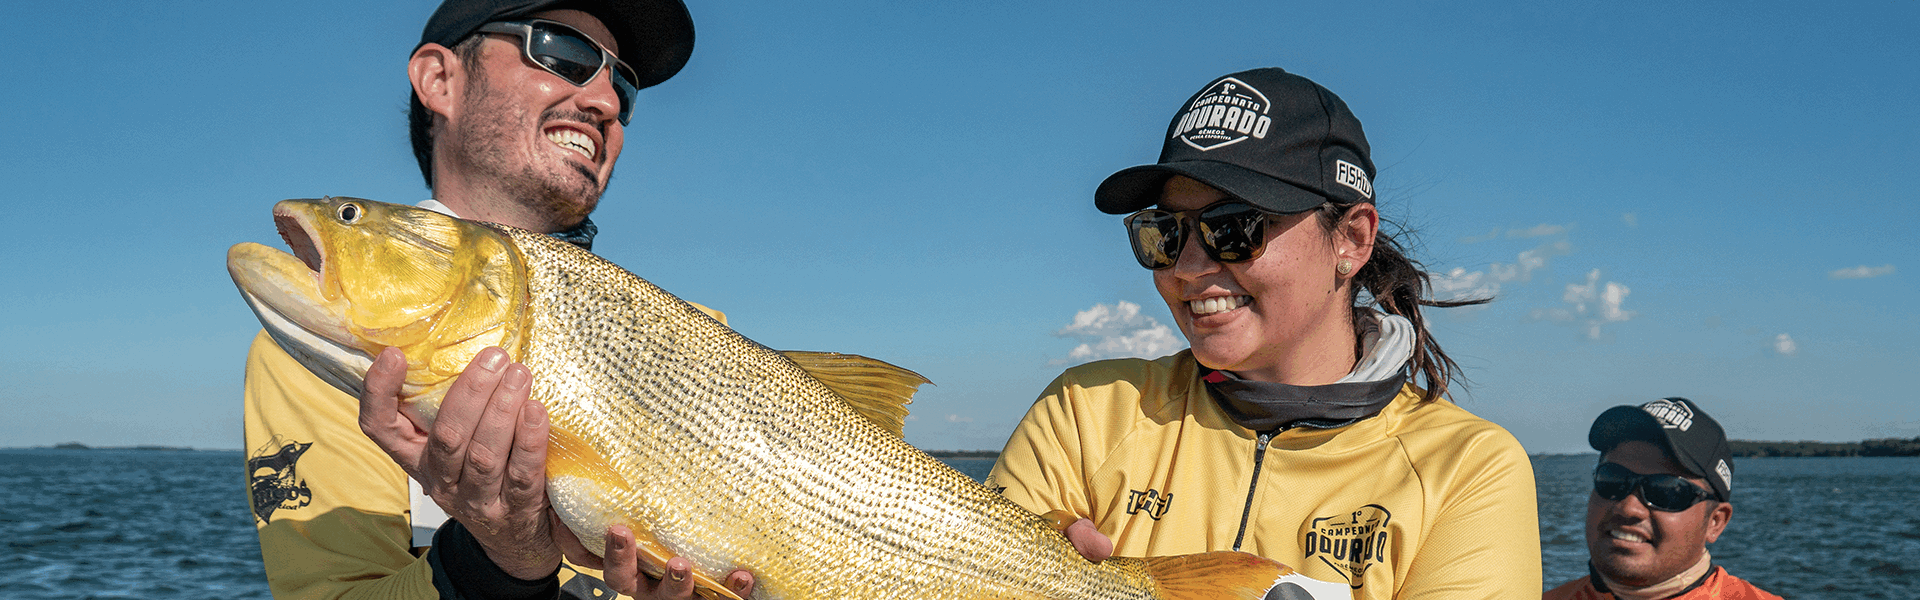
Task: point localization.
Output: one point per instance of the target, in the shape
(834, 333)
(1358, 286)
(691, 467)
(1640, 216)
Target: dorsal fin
(877, 390)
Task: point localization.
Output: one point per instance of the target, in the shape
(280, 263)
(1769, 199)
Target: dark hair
(420, 120)
(1398, 285)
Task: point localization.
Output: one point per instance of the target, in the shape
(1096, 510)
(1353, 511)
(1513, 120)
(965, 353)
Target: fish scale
(706, 444)
(695, 397)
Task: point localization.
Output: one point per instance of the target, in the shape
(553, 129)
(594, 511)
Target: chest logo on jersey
(1350, 542)
(272, 481)
(1150, 502)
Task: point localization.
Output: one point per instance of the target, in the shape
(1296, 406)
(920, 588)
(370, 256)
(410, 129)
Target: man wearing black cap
(1662, 492)
(517, 118)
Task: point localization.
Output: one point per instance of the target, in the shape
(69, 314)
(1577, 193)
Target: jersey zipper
(1259, 455)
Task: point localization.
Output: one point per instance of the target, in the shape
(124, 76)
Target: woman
(1293, 428)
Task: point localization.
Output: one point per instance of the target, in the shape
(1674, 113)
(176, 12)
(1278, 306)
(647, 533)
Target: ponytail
(1398, 285)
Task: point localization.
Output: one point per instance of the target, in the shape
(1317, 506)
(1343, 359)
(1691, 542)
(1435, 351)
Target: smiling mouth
(1626, 536)
(572, 140)
(1216, 305)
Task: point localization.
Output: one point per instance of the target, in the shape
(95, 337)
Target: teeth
(572, 140)
(1627, 536)
(1221, 304)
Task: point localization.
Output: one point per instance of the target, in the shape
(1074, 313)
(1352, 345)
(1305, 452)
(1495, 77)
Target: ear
(1717, 520)
(1354, 234)
(438, 78)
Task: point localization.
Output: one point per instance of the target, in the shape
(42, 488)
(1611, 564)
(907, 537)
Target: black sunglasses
(1231, 231)
(570, 54)
(1669, 493)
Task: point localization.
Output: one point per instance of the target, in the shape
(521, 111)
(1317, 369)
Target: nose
(1633, 506)
(598, 96)
(1193, 261)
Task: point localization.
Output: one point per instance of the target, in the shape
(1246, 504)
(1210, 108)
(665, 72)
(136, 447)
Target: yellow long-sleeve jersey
(335, 514)
(1423, 500)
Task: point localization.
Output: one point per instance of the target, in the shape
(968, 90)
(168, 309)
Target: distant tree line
(1874, 447)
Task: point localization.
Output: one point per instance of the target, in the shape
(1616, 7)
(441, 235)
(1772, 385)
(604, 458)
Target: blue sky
(1710, 200)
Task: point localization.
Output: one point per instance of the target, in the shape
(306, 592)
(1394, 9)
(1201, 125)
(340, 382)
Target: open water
(174, 524)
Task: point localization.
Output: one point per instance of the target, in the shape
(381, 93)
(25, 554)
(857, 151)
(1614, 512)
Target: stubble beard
(565, 195)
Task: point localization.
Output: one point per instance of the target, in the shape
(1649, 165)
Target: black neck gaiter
(1266, 406)
(579, 235)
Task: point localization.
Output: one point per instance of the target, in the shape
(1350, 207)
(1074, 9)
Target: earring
(1345, 267)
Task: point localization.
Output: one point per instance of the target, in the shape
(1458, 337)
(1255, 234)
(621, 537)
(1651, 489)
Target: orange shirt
(1719, 586)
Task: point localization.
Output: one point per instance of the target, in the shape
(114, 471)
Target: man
(1662, 492)
(517, 118)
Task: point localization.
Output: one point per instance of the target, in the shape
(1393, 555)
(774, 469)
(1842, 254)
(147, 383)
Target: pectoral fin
(877, 390)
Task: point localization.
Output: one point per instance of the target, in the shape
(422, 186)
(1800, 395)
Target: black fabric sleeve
(462, 571)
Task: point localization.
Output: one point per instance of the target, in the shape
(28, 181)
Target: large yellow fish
(706, 444)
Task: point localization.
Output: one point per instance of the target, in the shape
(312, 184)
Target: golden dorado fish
(708, 445)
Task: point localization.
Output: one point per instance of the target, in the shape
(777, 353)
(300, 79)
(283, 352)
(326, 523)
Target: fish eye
(350, 212)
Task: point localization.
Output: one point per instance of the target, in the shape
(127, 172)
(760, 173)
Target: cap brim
(1139, 187)
(655, 37)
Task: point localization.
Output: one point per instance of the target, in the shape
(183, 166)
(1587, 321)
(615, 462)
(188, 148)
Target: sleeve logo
(1151, 503)
(272, 483)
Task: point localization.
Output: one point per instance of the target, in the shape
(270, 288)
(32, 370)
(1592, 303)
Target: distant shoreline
(1873, 447)
(1741, 449)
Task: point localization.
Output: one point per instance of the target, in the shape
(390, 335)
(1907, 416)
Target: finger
(492, 443)
(570, 544)
(526, 483)
(1087, 539)
(679, 580)
(460, 410)
(621, 569)
(380, 416)
(741, 582)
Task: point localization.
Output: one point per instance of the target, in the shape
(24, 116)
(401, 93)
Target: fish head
(365, 275)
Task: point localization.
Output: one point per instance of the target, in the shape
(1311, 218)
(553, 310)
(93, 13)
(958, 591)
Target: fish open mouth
(284, 292)
(295, 234)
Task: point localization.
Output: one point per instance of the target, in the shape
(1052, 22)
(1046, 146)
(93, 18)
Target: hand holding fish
(625, 573)
(483, 460)
(666, 439)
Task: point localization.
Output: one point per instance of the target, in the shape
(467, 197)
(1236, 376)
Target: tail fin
(1215, 576)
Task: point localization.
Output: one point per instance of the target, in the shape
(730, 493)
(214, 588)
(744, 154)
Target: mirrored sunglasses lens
(1669, 493)
(1156, 238)
(565, 53)
(1612, 482)
(623, 86)
(1232, 232)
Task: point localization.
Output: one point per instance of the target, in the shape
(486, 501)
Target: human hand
(625, 570)
(484, 459)
(1089, 541)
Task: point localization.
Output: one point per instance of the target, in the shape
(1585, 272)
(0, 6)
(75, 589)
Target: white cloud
(1541, 230)
(1118, 331)
(1783, 344)
(1592, 305)
(1460, 284)
(1632, 220)
(1861, 272)
(959, 419)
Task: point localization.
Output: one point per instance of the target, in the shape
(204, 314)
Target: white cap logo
(1670, 414)
(1227, 113)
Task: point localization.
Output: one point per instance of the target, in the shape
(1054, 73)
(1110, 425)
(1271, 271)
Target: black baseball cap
(1678, 426)
(1265, 136)
(655, 36)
